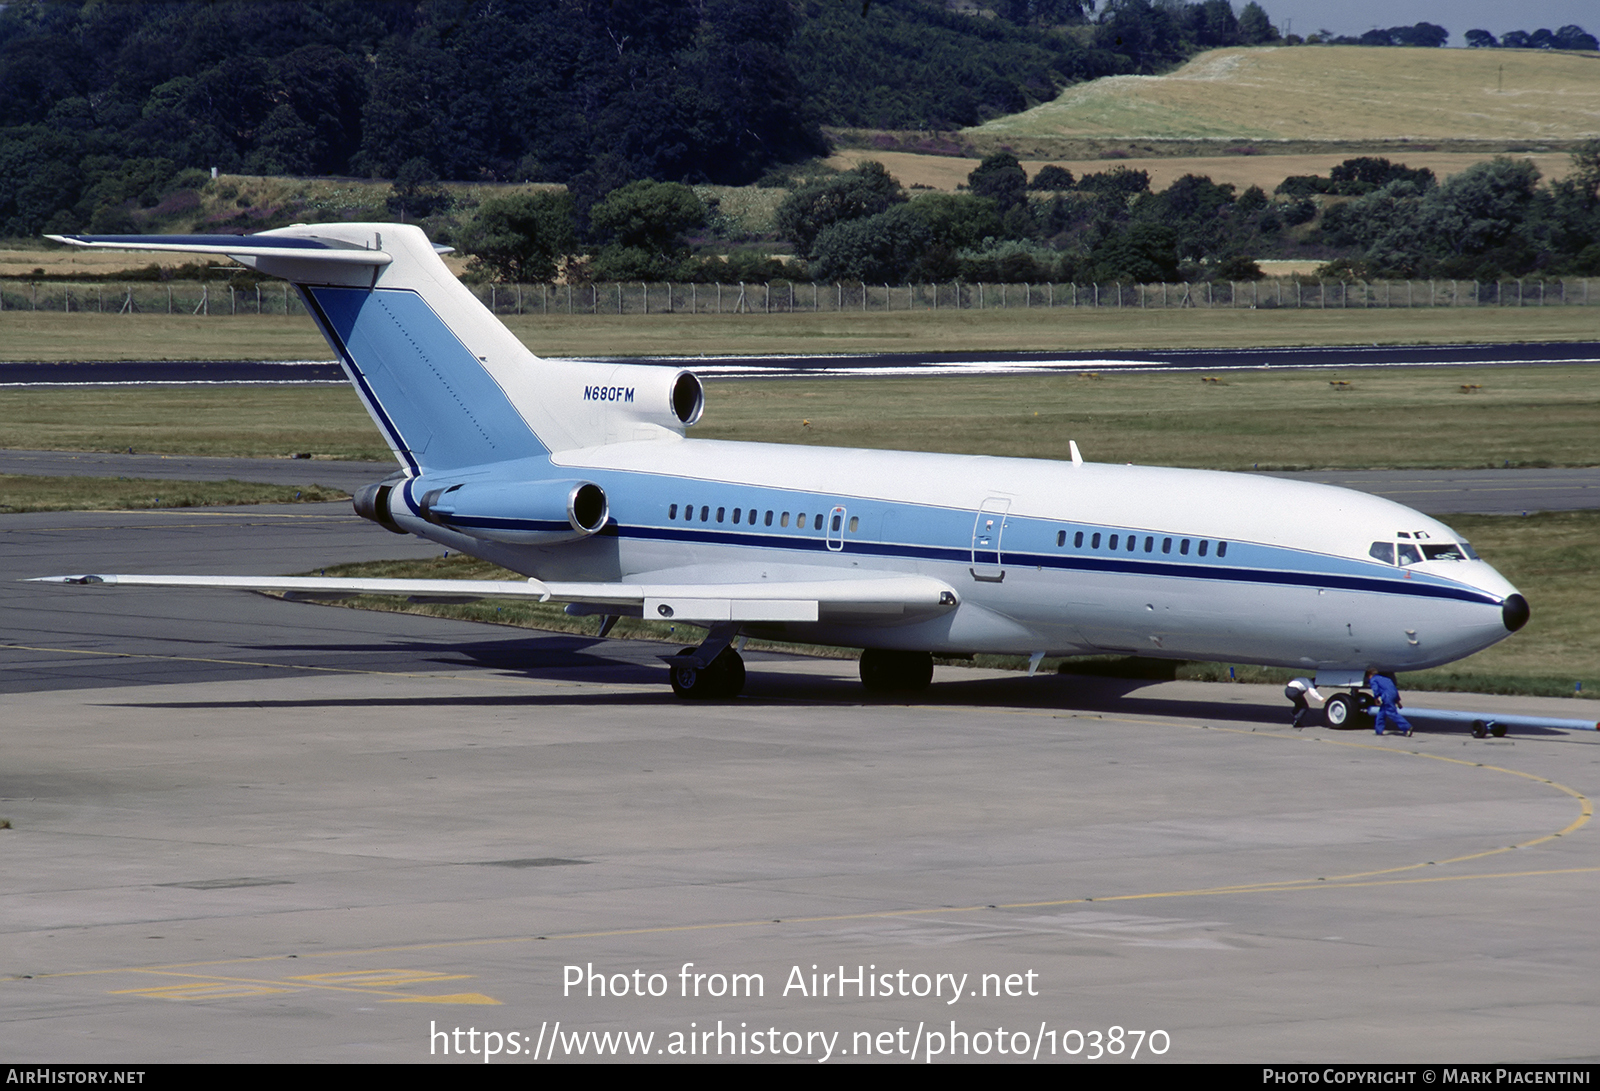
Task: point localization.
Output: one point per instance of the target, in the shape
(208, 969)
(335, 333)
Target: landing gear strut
(712, 670)
(884, 671)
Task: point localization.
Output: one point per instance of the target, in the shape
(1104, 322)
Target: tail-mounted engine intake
(515, 512)
(610, 403)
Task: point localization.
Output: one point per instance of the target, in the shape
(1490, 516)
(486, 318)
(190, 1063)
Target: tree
(416, 191)
(1480, 39)
(1426, 35)
(1575, 37)
(644, 224)
(524, 237)
(1254, 26)
(1001, 179)
(958, 221)
(881, 249)
(1053, 178)
(856, 194)
(1213, 24)
(1145, 253)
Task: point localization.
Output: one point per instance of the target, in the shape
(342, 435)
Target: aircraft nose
(1515, 613)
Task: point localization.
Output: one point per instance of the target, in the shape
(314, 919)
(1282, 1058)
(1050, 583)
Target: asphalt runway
(28, 373)
(245, 829)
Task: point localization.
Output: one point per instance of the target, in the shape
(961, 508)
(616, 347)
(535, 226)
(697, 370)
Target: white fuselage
(1045, 556)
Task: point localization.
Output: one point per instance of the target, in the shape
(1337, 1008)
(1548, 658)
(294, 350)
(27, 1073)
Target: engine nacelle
(514, 512)
(373, 502)
(602, 403)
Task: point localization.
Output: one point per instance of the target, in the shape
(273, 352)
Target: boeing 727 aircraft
(578, 475)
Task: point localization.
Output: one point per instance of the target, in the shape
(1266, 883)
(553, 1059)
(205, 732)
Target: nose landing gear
(1348, 711)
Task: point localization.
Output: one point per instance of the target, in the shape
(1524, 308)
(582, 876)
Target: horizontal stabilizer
(299, 247)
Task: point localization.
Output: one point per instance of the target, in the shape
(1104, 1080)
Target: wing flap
(327, 587)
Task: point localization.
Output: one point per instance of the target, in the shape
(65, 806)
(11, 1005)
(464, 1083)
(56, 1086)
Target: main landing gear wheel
(724, 677)
(1345, 712)
(885, 671)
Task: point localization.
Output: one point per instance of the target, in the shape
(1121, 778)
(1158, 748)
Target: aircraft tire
(1340, 712)
(885, 671)
(730, 673)
(724, 677)
(688, 683)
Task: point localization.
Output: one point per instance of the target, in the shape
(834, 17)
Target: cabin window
(1222, 549)
(837, 520)
(705, 514)
(1203, 545)
(1061, 538)
(769, 519)
(800, 521)
(785, 520)
(738, 515)
(1166, 545)
(752, 519)
(720, 512)
(1183, 547)
(817, 523)
(1113, 543)
(672, 512)
(1094, 543)
(855, 521)
(1149, 545)
(1077, 540)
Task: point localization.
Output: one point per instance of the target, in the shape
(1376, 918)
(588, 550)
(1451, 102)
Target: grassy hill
(1345, 94)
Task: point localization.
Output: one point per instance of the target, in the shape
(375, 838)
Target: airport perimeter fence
(784, 297)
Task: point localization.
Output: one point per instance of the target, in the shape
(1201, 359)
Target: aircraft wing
(886, 598)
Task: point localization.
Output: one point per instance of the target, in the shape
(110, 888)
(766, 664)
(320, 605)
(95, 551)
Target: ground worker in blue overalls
(1388, 710)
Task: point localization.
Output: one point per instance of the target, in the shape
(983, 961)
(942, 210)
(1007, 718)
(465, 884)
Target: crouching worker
(1298, 691)
(1387, 712)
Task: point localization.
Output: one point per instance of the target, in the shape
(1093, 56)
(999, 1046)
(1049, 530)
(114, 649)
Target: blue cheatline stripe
(432, 395)
(1071, 563)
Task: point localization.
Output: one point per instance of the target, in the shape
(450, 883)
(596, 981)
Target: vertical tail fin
(445, 381)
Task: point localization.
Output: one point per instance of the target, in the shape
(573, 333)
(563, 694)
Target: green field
(1533, 416)
(1355, 94)
(19, 492)
(57, 336)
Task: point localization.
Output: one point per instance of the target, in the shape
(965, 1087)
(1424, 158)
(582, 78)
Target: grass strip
(21, 492)
(40, 335)
(1352, 419)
